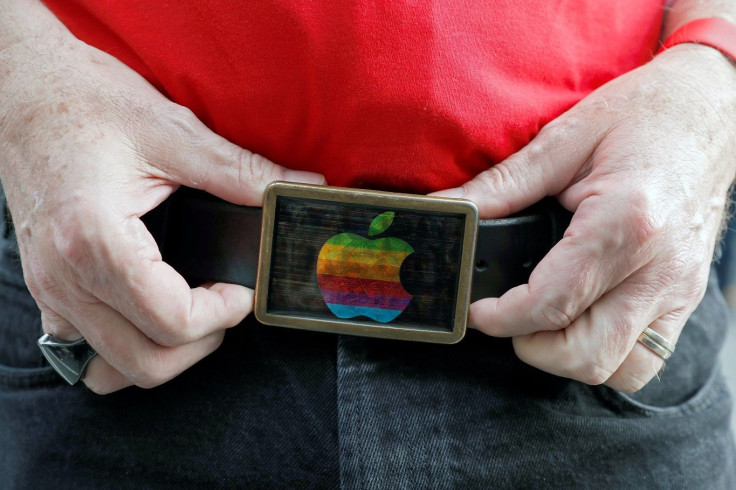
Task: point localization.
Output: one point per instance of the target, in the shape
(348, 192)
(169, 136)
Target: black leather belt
(208, 239)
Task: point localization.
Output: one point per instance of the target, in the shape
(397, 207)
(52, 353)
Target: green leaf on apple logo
(381, 223)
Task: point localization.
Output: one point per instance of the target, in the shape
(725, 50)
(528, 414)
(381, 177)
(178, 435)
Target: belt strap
(208, 239)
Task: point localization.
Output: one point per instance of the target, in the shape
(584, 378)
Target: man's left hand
(645, 163)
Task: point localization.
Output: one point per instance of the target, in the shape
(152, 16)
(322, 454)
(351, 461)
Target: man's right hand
(87, 147)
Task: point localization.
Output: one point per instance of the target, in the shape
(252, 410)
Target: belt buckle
(369, 263)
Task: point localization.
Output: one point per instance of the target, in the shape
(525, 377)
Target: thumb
(557, 156)
(190, 154)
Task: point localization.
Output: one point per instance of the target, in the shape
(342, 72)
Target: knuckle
(556, 134)
(559, 130)
(643, 220)
(255, 170)
(172, 329)
(554, 317)
(631, 383)
(600, 103)
(57, 330)
(591, 367)
(498, 176)
(180, 123)
(670, 274)
(149, 382)
(495, 178)
(149, 370)
(98, 385)
(592, 374)
(166, 336)
(73, 237)
(169, 324)
(52, 329)
(176, 129)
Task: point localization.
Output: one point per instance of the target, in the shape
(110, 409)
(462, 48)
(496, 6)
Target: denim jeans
(281, 408)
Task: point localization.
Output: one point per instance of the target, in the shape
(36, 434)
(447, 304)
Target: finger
(192, 155)
(558, 155)
(581, 268)
(593, 347)
(170, 313)
(56, 325)
(642, 364)
(119, 262)
(129, 352)
(101, 378)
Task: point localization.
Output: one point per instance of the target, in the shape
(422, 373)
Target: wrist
(703, 81)
(707, 48)
(702, 68)
(713, 32)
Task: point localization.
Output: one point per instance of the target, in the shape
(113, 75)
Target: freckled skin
(88, 147)
(645, 163)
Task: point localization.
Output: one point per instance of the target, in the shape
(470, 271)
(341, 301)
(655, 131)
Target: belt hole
(481, 265)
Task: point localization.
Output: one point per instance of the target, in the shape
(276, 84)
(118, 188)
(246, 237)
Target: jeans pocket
(714, 391)
(21, 363)
(692, 381)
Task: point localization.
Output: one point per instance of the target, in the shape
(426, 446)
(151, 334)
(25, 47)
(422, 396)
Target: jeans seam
(701, 401)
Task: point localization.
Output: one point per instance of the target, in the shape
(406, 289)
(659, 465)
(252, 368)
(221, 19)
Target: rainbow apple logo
(360, 277)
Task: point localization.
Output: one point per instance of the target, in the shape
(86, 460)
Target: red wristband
(714, 32)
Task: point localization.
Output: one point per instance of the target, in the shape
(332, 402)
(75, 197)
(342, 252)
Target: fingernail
(455, 193)
(304, 177)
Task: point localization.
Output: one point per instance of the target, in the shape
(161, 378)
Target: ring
(69, 359)
(656, 343)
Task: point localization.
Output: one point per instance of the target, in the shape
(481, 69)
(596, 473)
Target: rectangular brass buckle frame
(360, 262)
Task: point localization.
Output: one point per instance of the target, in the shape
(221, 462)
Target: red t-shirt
(394, 94)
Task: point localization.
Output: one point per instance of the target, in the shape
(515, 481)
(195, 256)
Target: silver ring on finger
(656, 343)
(69, 359)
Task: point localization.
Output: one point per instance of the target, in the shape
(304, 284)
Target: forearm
(28, 21)
(33, 65)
